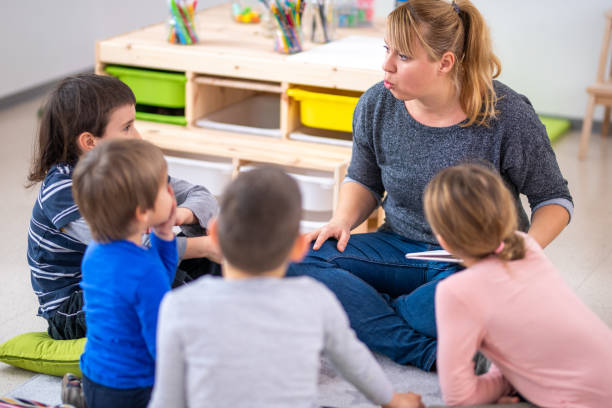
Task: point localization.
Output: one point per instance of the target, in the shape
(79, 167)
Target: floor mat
(334, 391)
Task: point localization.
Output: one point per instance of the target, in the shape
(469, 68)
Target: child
(510, 303)
(252, 338)
(82, 111)
(122, 189)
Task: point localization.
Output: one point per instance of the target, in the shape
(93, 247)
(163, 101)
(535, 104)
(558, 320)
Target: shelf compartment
(235, 105)
(322, 136)
(257, 115)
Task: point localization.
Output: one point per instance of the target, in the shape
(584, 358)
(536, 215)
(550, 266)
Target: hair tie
(499, 248)
(455, 7)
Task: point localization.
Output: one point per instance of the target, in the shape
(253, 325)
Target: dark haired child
(80, 113)
(252, 338)
(510, 303)
(122, 190)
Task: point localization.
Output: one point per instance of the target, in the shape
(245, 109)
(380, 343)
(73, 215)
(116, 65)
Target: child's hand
(184, 216)
(405, 400)
(508, 400)
(164, 230)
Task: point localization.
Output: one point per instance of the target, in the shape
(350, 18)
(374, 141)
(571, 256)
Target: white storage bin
(211, 172)
(307, 226)
(312, 220)
(317, 188)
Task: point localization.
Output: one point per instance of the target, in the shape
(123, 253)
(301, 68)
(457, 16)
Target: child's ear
(86, 141)
(213, 231)
(300, 248)
(141, 216)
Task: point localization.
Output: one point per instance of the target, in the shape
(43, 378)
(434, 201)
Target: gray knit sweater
(392, 152)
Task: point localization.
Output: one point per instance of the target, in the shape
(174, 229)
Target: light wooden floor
(583, 252)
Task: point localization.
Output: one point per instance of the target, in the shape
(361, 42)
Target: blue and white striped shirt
(54, 256)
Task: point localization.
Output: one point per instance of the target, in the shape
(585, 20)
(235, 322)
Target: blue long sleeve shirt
(123, 285)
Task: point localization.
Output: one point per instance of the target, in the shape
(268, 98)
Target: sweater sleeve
(196, 198)
(363, 168)
(350, 356)
(529, 162)
(460, 333)
(170, 375)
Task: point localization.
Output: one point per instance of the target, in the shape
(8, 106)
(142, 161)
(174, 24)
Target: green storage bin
(155, 88)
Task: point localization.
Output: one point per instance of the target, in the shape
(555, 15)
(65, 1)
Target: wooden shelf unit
(233, 62)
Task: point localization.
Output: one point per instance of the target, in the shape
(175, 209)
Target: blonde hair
(114, 179)
(458, 27)
(473, 211)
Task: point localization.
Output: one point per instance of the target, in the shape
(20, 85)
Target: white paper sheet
(355, 51)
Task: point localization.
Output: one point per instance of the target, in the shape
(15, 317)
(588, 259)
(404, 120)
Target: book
(439, 255)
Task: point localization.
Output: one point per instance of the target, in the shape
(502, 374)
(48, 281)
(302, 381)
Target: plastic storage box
(160, 95)
(212, 173)
(317, 188)
(324, 110)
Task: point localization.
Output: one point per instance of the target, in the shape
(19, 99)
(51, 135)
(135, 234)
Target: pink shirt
(540, 337)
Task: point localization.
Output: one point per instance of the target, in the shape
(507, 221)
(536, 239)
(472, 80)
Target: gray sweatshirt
(256, 343)
(392, 152)
(196, 198)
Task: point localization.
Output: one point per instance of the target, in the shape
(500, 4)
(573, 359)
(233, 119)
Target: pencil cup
(181, 25)
(320, 21)
(288, 18)
(288, 42)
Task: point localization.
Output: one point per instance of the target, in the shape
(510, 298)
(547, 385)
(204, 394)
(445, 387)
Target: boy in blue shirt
(121, 188)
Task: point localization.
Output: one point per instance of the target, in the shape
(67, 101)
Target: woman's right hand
(334, 229)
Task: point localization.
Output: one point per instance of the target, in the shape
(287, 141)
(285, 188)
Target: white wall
(549, 48)
(44, 40)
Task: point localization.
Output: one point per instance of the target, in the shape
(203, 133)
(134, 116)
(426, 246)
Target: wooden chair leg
(587, 125)
(605, 125)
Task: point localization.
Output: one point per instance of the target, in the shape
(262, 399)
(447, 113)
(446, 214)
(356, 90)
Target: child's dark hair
(114, 179)
(81, 103)
(259, 219)
(471, 208)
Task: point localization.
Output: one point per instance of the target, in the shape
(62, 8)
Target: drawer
(155, 88)
(317, 188)
(211, 172)
(326, 110)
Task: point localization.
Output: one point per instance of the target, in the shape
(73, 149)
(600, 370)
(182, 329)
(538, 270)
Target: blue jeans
(389, 299)
(100, 396)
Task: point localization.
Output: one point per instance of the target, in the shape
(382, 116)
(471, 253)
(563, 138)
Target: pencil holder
(320, 21)
(181, 25)
(288, 18)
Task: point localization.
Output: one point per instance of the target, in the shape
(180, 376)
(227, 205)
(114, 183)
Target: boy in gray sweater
(252, 338)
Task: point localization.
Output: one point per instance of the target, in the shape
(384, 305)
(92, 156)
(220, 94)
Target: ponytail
(513, 248)
(478, 66)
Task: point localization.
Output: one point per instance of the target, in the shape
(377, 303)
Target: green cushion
(555, 127)
(38, 352)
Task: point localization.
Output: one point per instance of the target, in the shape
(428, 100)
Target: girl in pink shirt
(511, 304)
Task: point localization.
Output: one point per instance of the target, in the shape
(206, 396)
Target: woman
(438, 106)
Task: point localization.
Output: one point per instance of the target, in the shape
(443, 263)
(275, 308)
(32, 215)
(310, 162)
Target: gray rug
(334, 391)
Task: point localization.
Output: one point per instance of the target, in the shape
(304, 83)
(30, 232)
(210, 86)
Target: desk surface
(236, 50)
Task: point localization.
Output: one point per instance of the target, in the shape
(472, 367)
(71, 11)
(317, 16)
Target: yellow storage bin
(325, 111)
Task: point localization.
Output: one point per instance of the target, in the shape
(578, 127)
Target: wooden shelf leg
(586, 128)
(605, 125)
